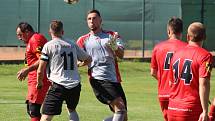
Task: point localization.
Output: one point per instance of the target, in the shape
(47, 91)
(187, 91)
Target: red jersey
(187, 66)
(160, 61)
(33, 51)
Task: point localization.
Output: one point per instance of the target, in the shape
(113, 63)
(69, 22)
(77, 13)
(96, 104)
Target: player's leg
(212, 111)
(33, 111)
(72, 97)
(107, 93)
(119, 104)
(53, 102)
(46, 117)
(119, 109)
(164, 108)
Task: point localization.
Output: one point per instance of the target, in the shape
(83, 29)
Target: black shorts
(106, 91)
(55, 97)
(33, 109)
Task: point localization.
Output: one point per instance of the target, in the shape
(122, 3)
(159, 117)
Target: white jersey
(62, 56)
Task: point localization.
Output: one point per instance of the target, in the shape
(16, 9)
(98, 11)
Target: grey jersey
(62, 56)
(104, 65)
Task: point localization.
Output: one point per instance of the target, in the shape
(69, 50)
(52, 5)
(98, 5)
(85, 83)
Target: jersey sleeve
(206, 66)
(153, 59)
(45, 53)
(37, 44)
(81, 40)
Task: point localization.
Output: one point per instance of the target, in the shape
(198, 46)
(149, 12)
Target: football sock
(119, 116)
(108, 118)
(35, 119)
(73, 116)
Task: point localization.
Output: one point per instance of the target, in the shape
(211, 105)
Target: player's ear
(204, 37)
(100, 20)
(168, 31)
(188, 37)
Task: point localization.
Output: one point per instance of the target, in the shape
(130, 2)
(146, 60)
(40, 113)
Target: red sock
(35, 119)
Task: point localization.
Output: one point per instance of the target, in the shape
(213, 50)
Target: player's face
(21, 35)
(93, 21)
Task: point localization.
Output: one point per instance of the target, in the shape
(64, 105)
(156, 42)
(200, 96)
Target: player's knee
(46, 118)
(33, 110)
(34, 113)
(119, 105)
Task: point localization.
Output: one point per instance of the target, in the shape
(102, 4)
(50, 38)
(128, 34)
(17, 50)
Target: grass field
(139, 86)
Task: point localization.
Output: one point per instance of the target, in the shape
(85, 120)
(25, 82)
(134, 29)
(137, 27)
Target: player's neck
(96, 31)
(56, 37)
(175, 36)
(197, 44)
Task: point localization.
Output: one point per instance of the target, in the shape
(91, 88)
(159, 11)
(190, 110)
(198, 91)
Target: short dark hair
(176, 24)
(56, 27)
(24, 27)
(94, 11)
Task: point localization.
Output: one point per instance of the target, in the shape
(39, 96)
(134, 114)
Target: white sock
(119, 116)
(73, 116)
(110, 118)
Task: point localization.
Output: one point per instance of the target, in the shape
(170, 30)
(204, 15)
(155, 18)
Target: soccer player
(190, 72)
(212, 111)
(59, 57)
(160, 61)
(104, 47)
(34, 44)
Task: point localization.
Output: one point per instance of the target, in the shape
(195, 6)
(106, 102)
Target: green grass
(139, 86)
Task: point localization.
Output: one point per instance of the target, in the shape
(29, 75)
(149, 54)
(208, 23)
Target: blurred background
(141, 23)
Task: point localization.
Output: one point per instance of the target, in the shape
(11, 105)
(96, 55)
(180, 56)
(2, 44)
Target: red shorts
(164, 108)
(35, 95)
(183, 118)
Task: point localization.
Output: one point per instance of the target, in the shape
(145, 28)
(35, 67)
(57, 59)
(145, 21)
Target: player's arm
(83, 57)
(119, 52)
(23, 73)
(204, 90)
(153, 73)
(85, 62)
(40, 73)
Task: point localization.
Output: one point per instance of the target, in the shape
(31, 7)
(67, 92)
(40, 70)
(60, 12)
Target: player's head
(56, 28)
(175, 26)
(24, 31)
(196, 32)
(94, 20)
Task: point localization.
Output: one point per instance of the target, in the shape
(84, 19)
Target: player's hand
(203, 117)
(80, 64)
(112, 42)
(39, 85)
(22, 74)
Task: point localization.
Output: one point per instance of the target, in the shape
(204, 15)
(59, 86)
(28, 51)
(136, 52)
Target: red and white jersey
(104, 65)
(160, 61)
(187, 66)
